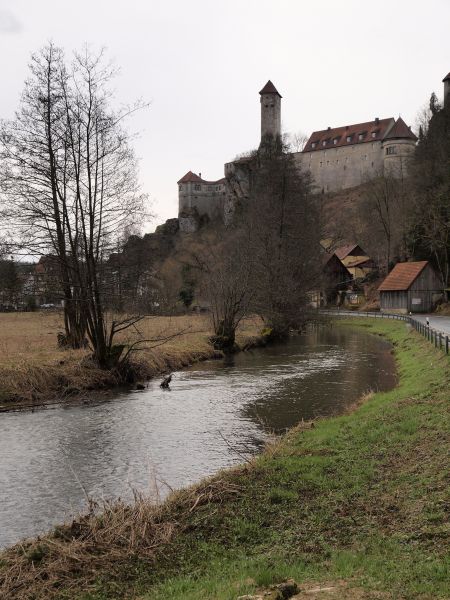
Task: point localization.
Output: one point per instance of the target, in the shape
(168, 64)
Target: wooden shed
(410, 287)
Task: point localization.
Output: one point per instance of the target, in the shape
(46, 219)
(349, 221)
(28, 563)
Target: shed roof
(402, 276)
(344, 251)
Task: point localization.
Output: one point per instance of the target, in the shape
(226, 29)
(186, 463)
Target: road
(441, 324)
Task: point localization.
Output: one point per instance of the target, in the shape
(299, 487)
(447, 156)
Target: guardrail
(440, 339)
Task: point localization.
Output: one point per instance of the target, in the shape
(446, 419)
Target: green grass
(361, 498)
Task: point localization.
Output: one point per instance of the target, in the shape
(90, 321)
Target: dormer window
(349, 138)
(324, 143)
(335, 141)
(360, 136)
(374, 134)
(313, 145)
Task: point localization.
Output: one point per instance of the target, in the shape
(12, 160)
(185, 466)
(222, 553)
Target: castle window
(391, 150)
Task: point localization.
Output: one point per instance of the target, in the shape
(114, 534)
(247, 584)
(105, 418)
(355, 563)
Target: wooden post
(446, 344)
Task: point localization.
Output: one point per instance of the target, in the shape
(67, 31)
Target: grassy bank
(34, 370)
(358, 502)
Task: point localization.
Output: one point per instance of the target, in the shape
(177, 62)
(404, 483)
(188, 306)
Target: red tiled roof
(379, 127)
(269, 88)
(193, 177)
(344, 251)
(400, 130)
(190, 176)
(402, 276)
(446, 78)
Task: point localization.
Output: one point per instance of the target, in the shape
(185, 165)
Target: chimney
(377, 121)
(200, 175)
(329, 129)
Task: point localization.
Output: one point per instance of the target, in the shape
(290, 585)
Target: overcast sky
(201, 64)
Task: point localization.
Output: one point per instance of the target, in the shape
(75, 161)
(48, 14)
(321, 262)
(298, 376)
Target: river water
(215, 414)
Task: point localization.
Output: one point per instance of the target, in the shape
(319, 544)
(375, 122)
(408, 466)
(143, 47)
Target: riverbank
(34, 371)
(357, 502)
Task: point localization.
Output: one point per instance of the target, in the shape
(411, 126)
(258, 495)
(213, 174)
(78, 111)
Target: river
(215, 414)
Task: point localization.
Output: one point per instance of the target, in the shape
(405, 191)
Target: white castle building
(337, 158)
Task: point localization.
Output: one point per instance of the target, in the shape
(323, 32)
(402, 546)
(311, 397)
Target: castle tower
(398, 147)
(270, 111)
(446, 82)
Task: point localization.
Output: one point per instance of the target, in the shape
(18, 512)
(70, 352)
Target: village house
(410, 287)
(357, 262)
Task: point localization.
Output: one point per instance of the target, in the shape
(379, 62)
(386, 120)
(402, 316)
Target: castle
(337, 158)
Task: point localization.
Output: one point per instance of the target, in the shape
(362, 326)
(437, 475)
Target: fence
(440, 339)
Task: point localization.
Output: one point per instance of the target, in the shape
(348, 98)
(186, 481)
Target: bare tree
(70, 186)
(386, 217)
(295, 142)
(226, 284)
(283, 225)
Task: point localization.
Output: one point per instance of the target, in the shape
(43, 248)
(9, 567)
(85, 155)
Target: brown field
(34, 370)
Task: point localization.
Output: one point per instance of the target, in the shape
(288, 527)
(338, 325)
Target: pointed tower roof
(400, 130)
(446, 78)
(269, 88)
(190, 176)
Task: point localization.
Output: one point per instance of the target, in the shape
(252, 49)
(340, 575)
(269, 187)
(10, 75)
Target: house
(355, 260)
(410, 287)
(336, 277)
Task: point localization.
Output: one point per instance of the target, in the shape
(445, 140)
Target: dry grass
(33, 369)
(106, 539)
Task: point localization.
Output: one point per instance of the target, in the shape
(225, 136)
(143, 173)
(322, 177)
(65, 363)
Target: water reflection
(215, 412)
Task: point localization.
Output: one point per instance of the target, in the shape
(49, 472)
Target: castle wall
(206, 197)
(335, 169)
(396, 156)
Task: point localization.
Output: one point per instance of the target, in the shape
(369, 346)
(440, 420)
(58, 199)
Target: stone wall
(340, 168)
(345, 167)
(207, 198)
(270, 115)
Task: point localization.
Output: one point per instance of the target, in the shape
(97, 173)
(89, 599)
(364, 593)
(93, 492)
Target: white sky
(201, 64)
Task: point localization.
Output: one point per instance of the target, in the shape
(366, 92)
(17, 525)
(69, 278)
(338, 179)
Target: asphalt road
(441, 324)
